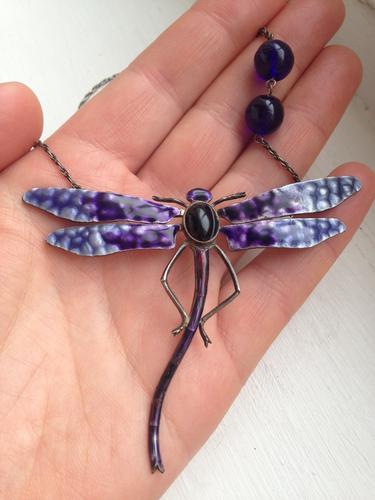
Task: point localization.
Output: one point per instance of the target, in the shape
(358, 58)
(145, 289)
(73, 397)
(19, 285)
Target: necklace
(264, 221)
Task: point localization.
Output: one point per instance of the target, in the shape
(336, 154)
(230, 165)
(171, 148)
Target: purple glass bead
(274, 59)
(264, 114)
(199, 194)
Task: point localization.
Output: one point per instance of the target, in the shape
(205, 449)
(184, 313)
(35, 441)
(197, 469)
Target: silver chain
(96, 88)
(63, 170)
(258, 139)
(266, 33)
(261, 140)
(51, 154)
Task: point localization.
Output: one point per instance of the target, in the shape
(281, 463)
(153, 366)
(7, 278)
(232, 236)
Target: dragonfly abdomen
(201, 260)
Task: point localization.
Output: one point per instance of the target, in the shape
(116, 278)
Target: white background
(303, 426)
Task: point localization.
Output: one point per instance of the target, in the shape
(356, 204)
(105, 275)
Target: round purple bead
(274, 59)
(264, 114)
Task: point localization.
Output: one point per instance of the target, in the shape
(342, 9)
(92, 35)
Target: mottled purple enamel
(299, 198)
(199, 194)
(82, 205)
(284, 233)
(105, 239)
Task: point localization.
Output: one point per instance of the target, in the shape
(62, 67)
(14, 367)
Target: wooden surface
(303, 426)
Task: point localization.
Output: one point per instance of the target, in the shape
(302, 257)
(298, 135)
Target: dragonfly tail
(201, 258)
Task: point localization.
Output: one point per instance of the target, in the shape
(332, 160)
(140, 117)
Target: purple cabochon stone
(81, 205)
(305, 197)
(105, 239)
(285, 233)
(199, 194)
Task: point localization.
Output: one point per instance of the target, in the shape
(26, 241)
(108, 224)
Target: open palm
(83, 342)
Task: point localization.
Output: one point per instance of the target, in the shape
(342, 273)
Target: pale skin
(83, 342)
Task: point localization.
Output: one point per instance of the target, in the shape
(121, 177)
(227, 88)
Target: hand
(83, 342)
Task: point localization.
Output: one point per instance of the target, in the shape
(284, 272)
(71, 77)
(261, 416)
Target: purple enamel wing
(131, 223)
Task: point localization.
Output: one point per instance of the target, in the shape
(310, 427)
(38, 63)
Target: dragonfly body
(264, 221)
(201, 261)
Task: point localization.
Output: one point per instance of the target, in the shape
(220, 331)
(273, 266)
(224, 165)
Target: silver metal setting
(170, 200)
(235, 196)
(164, 281)
(225, 302)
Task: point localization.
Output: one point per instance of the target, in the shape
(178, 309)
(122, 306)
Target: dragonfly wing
(105, 239)
(82, 205)
(305, 197)
(284, 233)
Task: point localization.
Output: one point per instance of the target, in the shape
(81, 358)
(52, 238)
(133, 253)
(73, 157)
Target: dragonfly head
(199, 194)
(201, 220)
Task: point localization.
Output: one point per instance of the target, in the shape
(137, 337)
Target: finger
(277, 282)
(21, 121)
(312, 110)
(136, 111)
(212, 134)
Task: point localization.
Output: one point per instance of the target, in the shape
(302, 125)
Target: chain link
(271, 84)
(260, 140)
(56, 161)
(266, 33)
(51, 154)
(96, 88)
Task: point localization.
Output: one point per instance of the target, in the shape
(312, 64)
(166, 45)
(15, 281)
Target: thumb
(21, 121)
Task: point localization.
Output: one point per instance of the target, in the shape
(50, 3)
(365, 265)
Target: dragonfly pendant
(264, 221)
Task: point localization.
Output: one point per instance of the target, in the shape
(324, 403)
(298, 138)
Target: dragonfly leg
(225, 302)
(164, 280)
